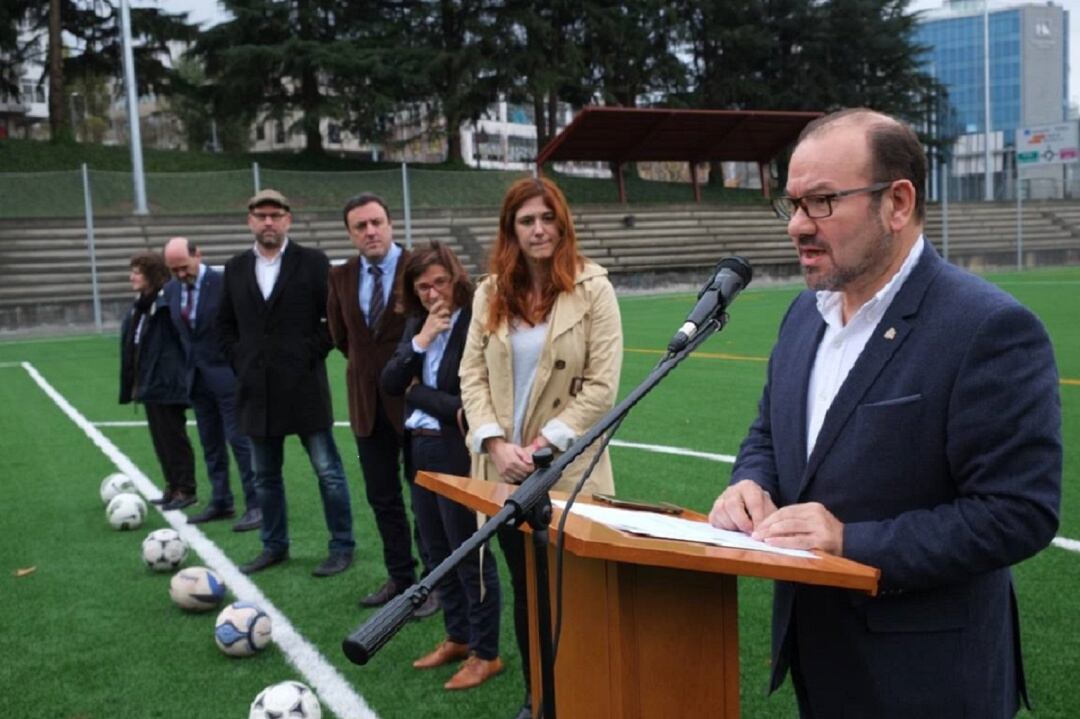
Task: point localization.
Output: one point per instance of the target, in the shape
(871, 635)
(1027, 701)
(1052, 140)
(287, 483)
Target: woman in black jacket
(436, 295)
(152, 373)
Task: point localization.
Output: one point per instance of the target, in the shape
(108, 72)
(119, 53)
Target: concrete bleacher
(46, 263)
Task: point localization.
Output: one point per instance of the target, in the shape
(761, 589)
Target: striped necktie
(189, 307)
(375, 309)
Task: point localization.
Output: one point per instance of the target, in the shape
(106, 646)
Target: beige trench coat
(577, 378)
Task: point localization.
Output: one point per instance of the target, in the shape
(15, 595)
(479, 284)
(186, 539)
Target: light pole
(989, 177)
(137, 176)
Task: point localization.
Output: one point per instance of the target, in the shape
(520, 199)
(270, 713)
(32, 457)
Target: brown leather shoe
(474, 671)
(447, 651)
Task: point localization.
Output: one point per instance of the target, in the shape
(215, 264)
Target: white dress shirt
(267, 271)
(842, 344)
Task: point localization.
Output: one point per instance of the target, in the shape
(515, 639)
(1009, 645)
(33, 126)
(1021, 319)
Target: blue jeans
(267, 454)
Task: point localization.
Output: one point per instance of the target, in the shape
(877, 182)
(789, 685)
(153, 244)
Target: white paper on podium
(665, 526)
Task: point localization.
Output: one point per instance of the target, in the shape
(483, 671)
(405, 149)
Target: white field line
(1071, 545)
(1068, 544)
(658, 448)
(332, 688)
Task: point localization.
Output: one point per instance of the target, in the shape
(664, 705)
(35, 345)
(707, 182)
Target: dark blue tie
(189, 306)
(375, 309)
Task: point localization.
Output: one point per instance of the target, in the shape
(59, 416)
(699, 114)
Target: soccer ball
(242, 629)
(114, 484)
(126, 511)
(163, 550)
(284, 700)
(197, 589)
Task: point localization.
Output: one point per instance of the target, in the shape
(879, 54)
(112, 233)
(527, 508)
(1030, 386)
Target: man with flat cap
(273, 329)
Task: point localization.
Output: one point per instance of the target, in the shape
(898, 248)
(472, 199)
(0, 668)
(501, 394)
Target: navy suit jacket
(443, 401)
(942, 456)
(202, 347)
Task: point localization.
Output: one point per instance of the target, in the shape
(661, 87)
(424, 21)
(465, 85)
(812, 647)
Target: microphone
(729, 278)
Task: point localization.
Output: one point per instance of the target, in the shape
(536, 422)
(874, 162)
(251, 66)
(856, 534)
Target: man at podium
(910, 421)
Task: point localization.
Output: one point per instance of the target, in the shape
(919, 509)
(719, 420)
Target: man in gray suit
(910, 421)
(193, 297)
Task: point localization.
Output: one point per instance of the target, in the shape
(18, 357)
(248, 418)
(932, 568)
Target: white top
(267, 271)
(842, 344)
(526, 345)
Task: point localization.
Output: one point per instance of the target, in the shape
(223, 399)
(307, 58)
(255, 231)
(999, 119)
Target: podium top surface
(586, 538)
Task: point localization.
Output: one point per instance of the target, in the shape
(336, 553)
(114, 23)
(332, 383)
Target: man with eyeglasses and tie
(910, 421)
(193, 297)
(272, 324)
(366, 325)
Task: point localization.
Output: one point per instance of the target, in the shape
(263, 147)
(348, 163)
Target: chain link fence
(61, 194)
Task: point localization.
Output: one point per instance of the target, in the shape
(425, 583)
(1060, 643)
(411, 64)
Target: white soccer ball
(116, 483)
(196, 589)
(284, 700)
(126, 511)
(242, 629)
(163, 550)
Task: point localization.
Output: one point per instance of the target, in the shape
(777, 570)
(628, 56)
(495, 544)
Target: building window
(260, 131)
(279, 132)
(333, 133)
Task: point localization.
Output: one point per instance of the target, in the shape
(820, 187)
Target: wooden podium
(650, 626)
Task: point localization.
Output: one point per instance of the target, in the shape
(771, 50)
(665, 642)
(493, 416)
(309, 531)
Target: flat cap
(268, 197)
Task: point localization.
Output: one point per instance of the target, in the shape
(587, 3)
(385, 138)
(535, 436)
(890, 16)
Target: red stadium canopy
(623, 134)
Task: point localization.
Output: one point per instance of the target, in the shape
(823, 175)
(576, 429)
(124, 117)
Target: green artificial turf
(92, 634)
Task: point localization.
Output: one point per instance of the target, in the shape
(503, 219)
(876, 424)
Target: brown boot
(447, 651)
(474, 671)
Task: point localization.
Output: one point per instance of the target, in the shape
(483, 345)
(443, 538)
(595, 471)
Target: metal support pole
(989, 176)
(945, 209)
(407, 201)
(88, 207)
(137, 176)
(255, 176)
(1019, 220)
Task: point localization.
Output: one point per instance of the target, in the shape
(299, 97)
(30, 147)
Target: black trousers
(168, 430)
(512, 543)
(380, 461)
(470, 596)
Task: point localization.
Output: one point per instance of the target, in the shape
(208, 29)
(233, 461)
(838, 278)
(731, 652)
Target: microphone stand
(530, 503)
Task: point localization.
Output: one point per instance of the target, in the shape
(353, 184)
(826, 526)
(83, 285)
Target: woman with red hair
(542, 359)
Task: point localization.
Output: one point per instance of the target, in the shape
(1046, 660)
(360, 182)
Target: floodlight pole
(989, 174)
(137, 177)
(407, 203)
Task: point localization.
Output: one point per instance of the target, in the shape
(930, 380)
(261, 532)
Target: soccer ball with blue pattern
(242, 629)
(284, 701)
(196, 589)
(163, 550)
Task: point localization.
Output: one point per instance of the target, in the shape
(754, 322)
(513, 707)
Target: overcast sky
(208, 11)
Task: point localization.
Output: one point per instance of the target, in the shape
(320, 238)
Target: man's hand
(437, 322)
(803, 526)
(742, 506)
(513, 463)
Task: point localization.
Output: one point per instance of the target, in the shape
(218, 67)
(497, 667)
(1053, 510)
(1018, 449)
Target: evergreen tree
(96, 47)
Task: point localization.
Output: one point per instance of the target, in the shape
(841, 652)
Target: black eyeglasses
(818, 207)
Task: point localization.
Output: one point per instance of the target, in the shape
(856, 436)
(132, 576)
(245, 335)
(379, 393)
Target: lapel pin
(890, 334)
